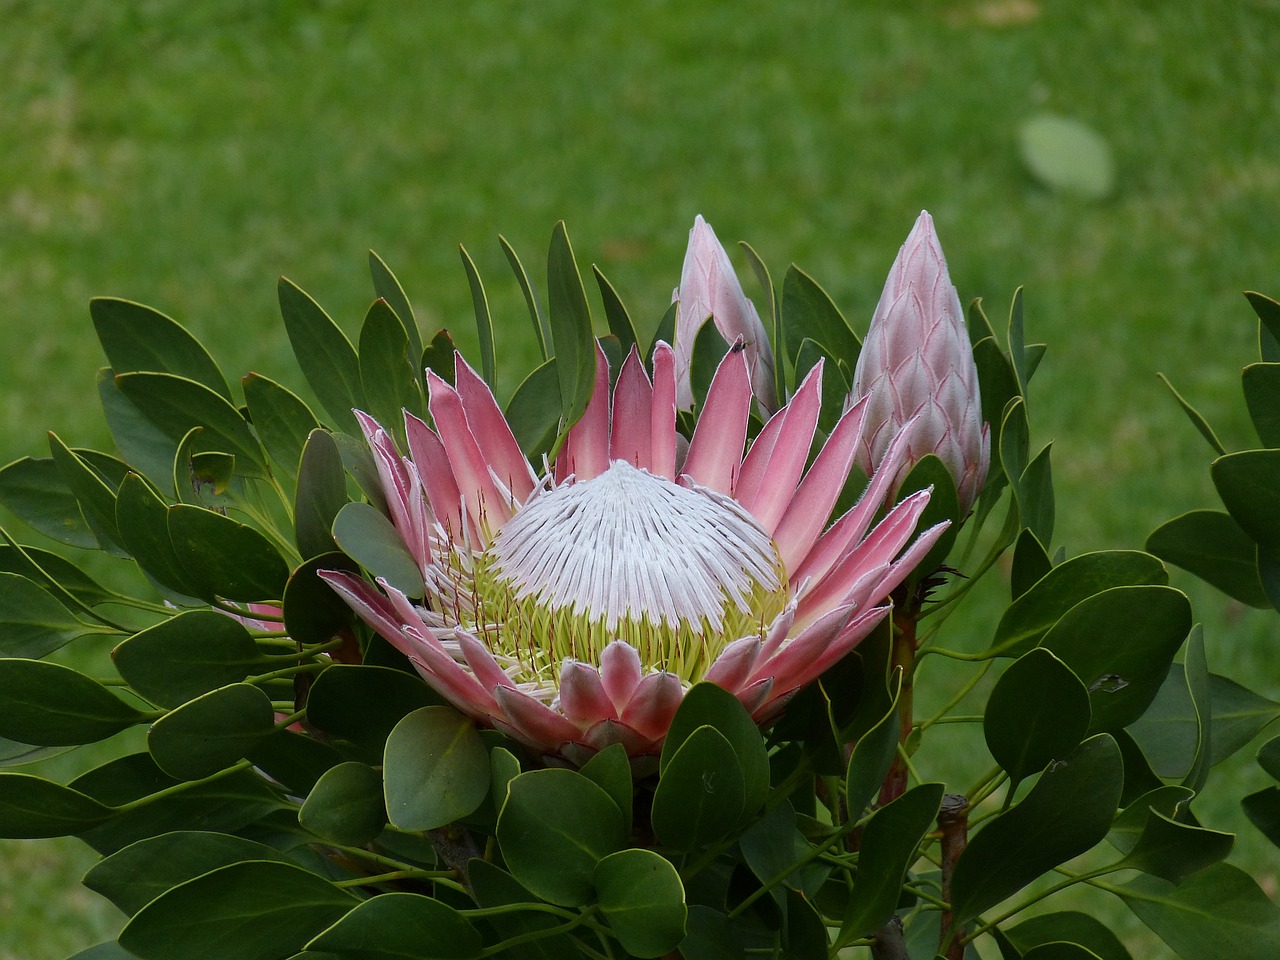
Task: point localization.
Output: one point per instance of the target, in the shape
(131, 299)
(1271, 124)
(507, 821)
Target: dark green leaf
(944, 504)
(484, 322)
(324, 353)
(388, 288)
(211, 732)
(47, 704)
(137, 338)
(1198, 421)
(772, 846)
(369, 538)
(1269, 752)
(1027, 620)
(1036, 490)
(1263, 810)
(609, 769)
(253, 910)
(224, 558)
(873, 755)
(1068, 811)
(436, 769)
(1247, 484)
(1196, 669)
(643, 899)
(362, 704)
(33, 622)
(494, 887)
(1211, 545)
(97, 497)
(834, 386)
(1120, 643)
(1268, 312)
(346, 806)
(15, 754)
(616, 313)
(1038, 711)
(1173, 850)
(890, 844)
(1017, 342)
(1030, 563)
(770, 316)
(998, 385)
(1262, 394)
(187, 656)
(55, 573)
(133, 877)
(709, 348)
(665, 333)
(143, 520)
(712, 935)
(32, 808)
(147, 448)
(534, 410)
(322, 492)
(808, 313)
(555, 826)
(701, 793)
(176, 405)
(1218, 912)
(1015, 448)
(282, 421)
(34, 491)
(1069, 926)
(575, 344)
(400, 926)
(313, 611)
(389, 379)
(541, 328)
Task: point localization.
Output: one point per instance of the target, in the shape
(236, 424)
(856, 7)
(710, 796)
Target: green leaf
(1198, 421)
(147, 448)
(1211, 545)
(33, 622)
(1069, 926)
(494, 887)
(133, 877)
(388, 288)
(296, 761)
(1218, 912)
(712, 936)
(47, 704)
(541, 328)
(809, 313)
(504, 767)
(324, 354)
(143, 520)
(665, 333)
(1268, 312)
(369, 538)
(712, 705)
(642, 897)
(944, 504)
(282, 421)
(32, 808)
(1173, 850)
(224, 558)
(533, 412)
(1036, 490)
(772, 846)
(95, 495)
(211, 732)
(1269, 752)
(1263, 810)
(253, 910)
(1017, 343)
(346, 805)
(1037, 712)
(771, 316)
(484, 322)
(176, 405)
(1031, 616)
(998, 385)
(1030, 563)
(1067, 156)
(709, 348)
(186, 656)
(436, 769)
(34, 491)
(834, 386)
(388, 377)
(575, 344)
(1247, 484)
(554, 828)
(1261, 383)
(1196, 669)
(1015, 448)
(610, 769)
(873, 755)
(400, 926)
(137, 338)
(70, 585)
(1068, 811)
(322, 492)
(1120, 643)
(361, 704)
(313, 611)
(701, 792)
(615, 312)
(890, 844)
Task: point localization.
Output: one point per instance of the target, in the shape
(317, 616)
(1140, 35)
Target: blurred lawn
(185, 154)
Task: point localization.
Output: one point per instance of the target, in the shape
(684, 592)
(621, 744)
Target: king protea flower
(916, 372)
(572, 610)
(709, 289)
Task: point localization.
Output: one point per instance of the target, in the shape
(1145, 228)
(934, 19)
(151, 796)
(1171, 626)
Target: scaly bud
(917, 365)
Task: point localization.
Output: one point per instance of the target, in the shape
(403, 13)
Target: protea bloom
(917, 375)
(573, 610)
(709, 289)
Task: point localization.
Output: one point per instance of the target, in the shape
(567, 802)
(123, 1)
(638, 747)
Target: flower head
(709, 289)
(917, 375)
(572, 610)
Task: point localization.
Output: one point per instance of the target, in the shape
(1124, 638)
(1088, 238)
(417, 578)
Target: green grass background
(185, 154)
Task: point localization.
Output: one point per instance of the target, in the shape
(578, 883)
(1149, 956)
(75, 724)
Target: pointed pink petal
(451, 680)
(791, 450)
(533, 720)
(654, 704)
(582, 696)
(395, 481)
(437, 477)
(483, 666)
(608, 732)
(632, 414)
(811, 505)
(662, 431)
(814, 659)
(755, 695)
(757, 460)
(732, 668)
(492, 432)
(620, 672)
(369, 603)
(486, 506)
(586, 449)
(715, 452)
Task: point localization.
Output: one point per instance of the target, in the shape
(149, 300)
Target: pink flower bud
(709, 288)
(917, 368)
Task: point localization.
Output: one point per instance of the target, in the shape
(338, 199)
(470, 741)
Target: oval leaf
(224, 558)
(643, 899)
(369, 538)
(186, 656)
(436, 769)
(211, 732)
(400, 926)
(47, 704)
(346, 805)
(1038, 711)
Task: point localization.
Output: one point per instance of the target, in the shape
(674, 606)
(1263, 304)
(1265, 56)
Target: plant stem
(953, 820)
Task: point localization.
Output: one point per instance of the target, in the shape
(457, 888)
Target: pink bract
(573, 610)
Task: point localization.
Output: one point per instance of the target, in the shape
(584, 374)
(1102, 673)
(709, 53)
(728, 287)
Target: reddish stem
(953, 821)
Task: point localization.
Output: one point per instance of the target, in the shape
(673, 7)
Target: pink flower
(916, 372)
(573, 610)
(709, 289)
